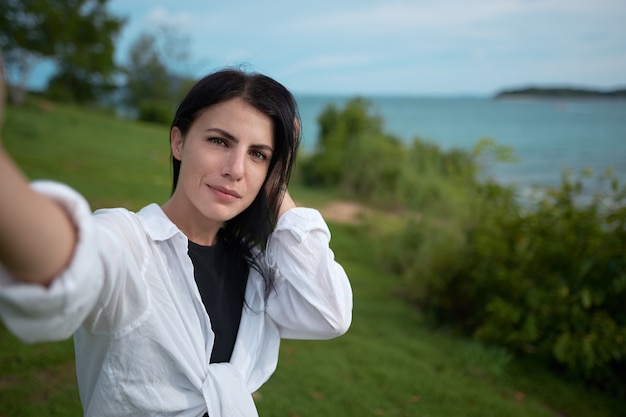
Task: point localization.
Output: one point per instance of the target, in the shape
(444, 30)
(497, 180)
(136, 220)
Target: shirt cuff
(300, 221)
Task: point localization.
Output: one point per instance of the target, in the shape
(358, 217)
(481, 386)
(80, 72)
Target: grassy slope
(388, 364)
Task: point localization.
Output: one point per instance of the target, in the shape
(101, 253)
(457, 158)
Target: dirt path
(344, 211)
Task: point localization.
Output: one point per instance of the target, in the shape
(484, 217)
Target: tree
(147, 77)
(342, 133)
(77, 34)
(152, 86)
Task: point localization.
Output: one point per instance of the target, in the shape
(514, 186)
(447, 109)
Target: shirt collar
(156, 223)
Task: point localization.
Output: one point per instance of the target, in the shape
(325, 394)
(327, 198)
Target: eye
(258, 155)
(217, 141)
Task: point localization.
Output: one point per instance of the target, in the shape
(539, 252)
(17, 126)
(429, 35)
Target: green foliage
(156, 112)
(548, 281)
(543, 278)
(340, 131)
(389, 363)
(151, 88)
(356, 155)
(79, 35)
(147, 77)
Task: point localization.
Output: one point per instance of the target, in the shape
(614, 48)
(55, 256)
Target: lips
(225, 192)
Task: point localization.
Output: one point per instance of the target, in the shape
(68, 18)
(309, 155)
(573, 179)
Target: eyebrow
(230, 137)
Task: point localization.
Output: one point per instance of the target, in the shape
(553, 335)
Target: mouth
(225, 192)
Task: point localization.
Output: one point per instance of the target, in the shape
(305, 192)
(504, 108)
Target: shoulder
(125, 227)
(116, 218)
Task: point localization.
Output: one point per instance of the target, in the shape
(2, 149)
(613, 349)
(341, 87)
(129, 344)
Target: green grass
(110, 161)
(388, 364)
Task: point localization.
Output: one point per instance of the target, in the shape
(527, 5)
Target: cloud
(454, 18)
(329, 62)
(160, 16)
(388, 18)
(419, 45)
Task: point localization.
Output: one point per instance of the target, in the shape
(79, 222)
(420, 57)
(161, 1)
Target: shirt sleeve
(38, 313)
(312, 297)
(91, 283)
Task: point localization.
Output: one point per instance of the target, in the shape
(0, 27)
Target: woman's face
(224, 157)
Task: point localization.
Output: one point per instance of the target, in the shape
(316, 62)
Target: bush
(544, 278)
(356, 155)
(548, 282)
(160, 113)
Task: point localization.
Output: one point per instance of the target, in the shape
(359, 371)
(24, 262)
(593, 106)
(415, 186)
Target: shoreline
(561, 93)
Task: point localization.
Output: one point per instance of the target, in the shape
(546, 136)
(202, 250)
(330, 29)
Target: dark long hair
(252, 227)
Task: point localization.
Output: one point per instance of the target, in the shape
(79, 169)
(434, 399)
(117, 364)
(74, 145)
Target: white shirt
(143, 338)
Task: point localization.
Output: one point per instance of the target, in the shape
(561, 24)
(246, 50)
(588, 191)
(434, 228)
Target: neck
(193, 224)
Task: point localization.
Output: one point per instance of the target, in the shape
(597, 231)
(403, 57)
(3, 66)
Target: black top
(222, 293)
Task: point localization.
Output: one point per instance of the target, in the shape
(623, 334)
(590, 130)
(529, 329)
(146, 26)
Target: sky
(395, 47)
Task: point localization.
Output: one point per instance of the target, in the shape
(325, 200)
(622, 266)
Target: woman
(179, 309)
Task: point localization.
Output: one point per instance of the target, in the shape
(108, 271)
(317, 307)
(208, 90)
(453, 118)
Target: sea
(548, 136)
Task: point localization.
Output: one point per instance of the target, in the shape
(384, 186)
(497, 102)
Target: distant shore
(560, 93)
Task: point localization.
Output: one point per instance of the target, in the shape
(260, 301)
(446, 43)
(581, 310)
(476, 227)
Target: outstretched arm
(36, 237)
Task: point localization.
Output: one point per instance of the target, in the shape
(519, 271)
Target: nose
(234, 165)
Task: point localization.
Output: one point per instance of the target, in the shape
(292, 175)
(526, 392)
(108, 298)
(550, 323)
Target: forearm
(36, 236)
